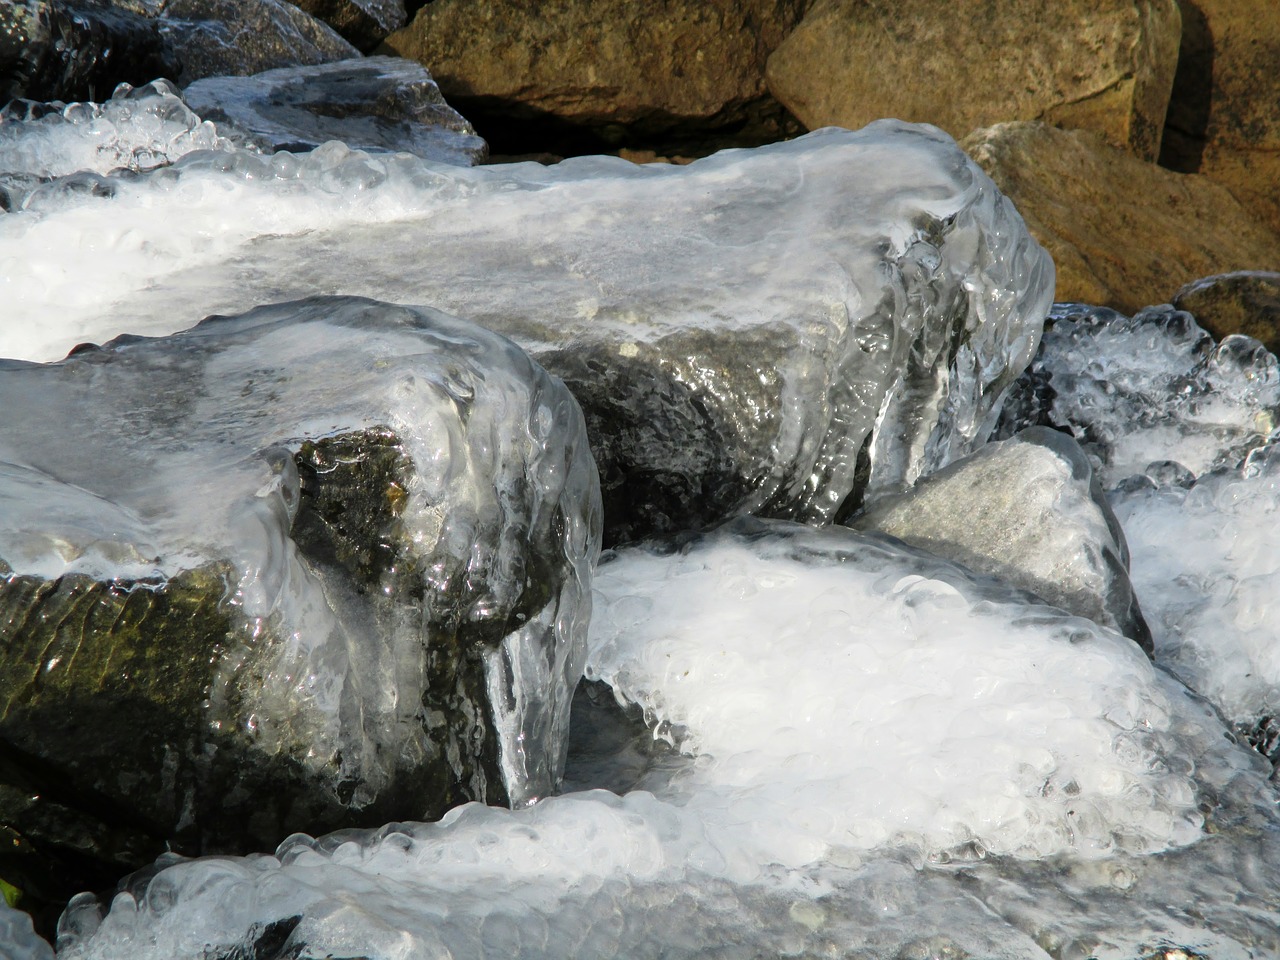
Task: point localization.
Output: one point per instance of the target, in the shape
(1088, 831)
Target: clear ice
(794, 320)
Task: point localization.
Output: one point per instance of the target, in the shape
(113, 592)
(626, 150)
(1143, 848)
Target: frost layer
(845, 706)
(739, 331)
(324, 561)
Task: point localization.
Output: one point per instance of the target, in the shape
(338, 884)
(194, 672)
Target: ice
(18, 940)
(325, 561)
(1149, 388)
(879, 755)
(736, 329)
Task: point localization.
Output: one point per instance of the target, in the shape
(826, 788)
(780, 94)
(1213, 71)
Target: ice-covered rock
(1029, 511)
(1246, 301)
(370, 103)
(759, 331)
(325, 563)
(860, 727)
(1148, 392)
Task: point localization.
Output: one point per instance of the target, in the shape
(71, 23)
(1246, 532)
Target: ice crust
(804, 293)
(139, 462)
(880, 755)
(18, 941)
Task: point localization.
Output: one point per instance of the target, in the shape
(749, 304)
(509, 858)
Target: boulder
(1222, 118)
(365, 23)
(1247, 302)
(323, 564)
(583, 75)
(1122, 233)
(1106, 67)
(211, 38)
(370, 103)
(1029, 511)
(768, 331)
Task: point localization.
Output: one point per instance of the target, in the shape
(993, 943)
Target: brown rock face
(547, 71)
(1104, 65)
(1122, 233)
(1224, 115)
(1247, 301)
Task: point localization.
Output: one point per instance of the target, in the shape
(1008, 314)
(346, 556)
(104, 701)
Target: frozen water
(765, 311)
(879, 755)
(1152, 388)
(386, 516)
(136, 130)
(18, 940)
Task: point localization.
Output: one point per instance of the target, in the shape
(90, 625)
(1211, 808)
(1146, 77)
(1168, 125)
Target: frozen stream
(796, 741)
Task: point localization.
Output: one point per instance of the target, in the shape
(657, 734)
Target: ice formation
(1029, 511)
(325, 561)
(878, 752)
(741, 332)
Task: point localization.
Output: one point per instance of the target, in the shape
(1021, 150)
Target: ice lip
(761, 331)
(328, 561)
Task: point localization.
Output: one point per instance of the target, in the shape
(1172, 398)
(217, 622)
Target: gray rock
(323, 564)
(365, 23)
(1029, 511)
(213, 38)
(377, 104)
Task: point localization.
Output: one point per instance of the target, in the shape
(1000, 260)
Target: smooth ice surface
(18, 940)
(880, 755)
(850, 279)
(1152, 388)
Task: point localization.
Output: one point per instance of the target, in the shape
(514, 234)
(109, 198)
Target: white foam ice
(878, 751)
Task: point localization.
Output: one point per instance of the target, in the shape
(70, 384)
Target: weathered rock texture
(1030, 511)
(1102, 66)
(1247, 302)
(323, 564)
(1122, 233)
(365, 23)
(601, 72)
(1224, 118)
(370, 103)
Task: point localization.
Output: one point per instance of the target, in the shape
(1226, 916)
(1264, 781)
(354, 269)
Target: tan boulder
(1224, 115)
(1123, 233)
(1247, 301)
(1104, 65)
(604, 63)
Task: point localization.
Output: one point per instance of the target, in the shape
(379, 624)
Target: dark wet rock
(370, 103)
(1030, 511)
(1246, 302)
(54, 50)
(321, 565)
(365, 23)
(212, 38)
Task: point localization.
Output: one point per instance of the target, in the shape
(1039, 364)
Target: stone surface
(365, 23)
(1122, 233)
(1223, 120)
(325, 563)
(52, 50)
(537, 75)
(1030, 511)
(370, 103)
(1104, 66)
(766, 331)
(1247, 302)
(211, 38)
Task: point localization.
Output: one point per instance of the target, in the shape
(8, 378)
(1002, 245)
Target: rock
(1246, 302)
(574, 76)
(1028, 510)
(1105, 66)
(370, 103)
(365, 23)
(1222, 118)
(323, 564)
(767, 331)
(54, 50)
(212, 38)
(1122, 233)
